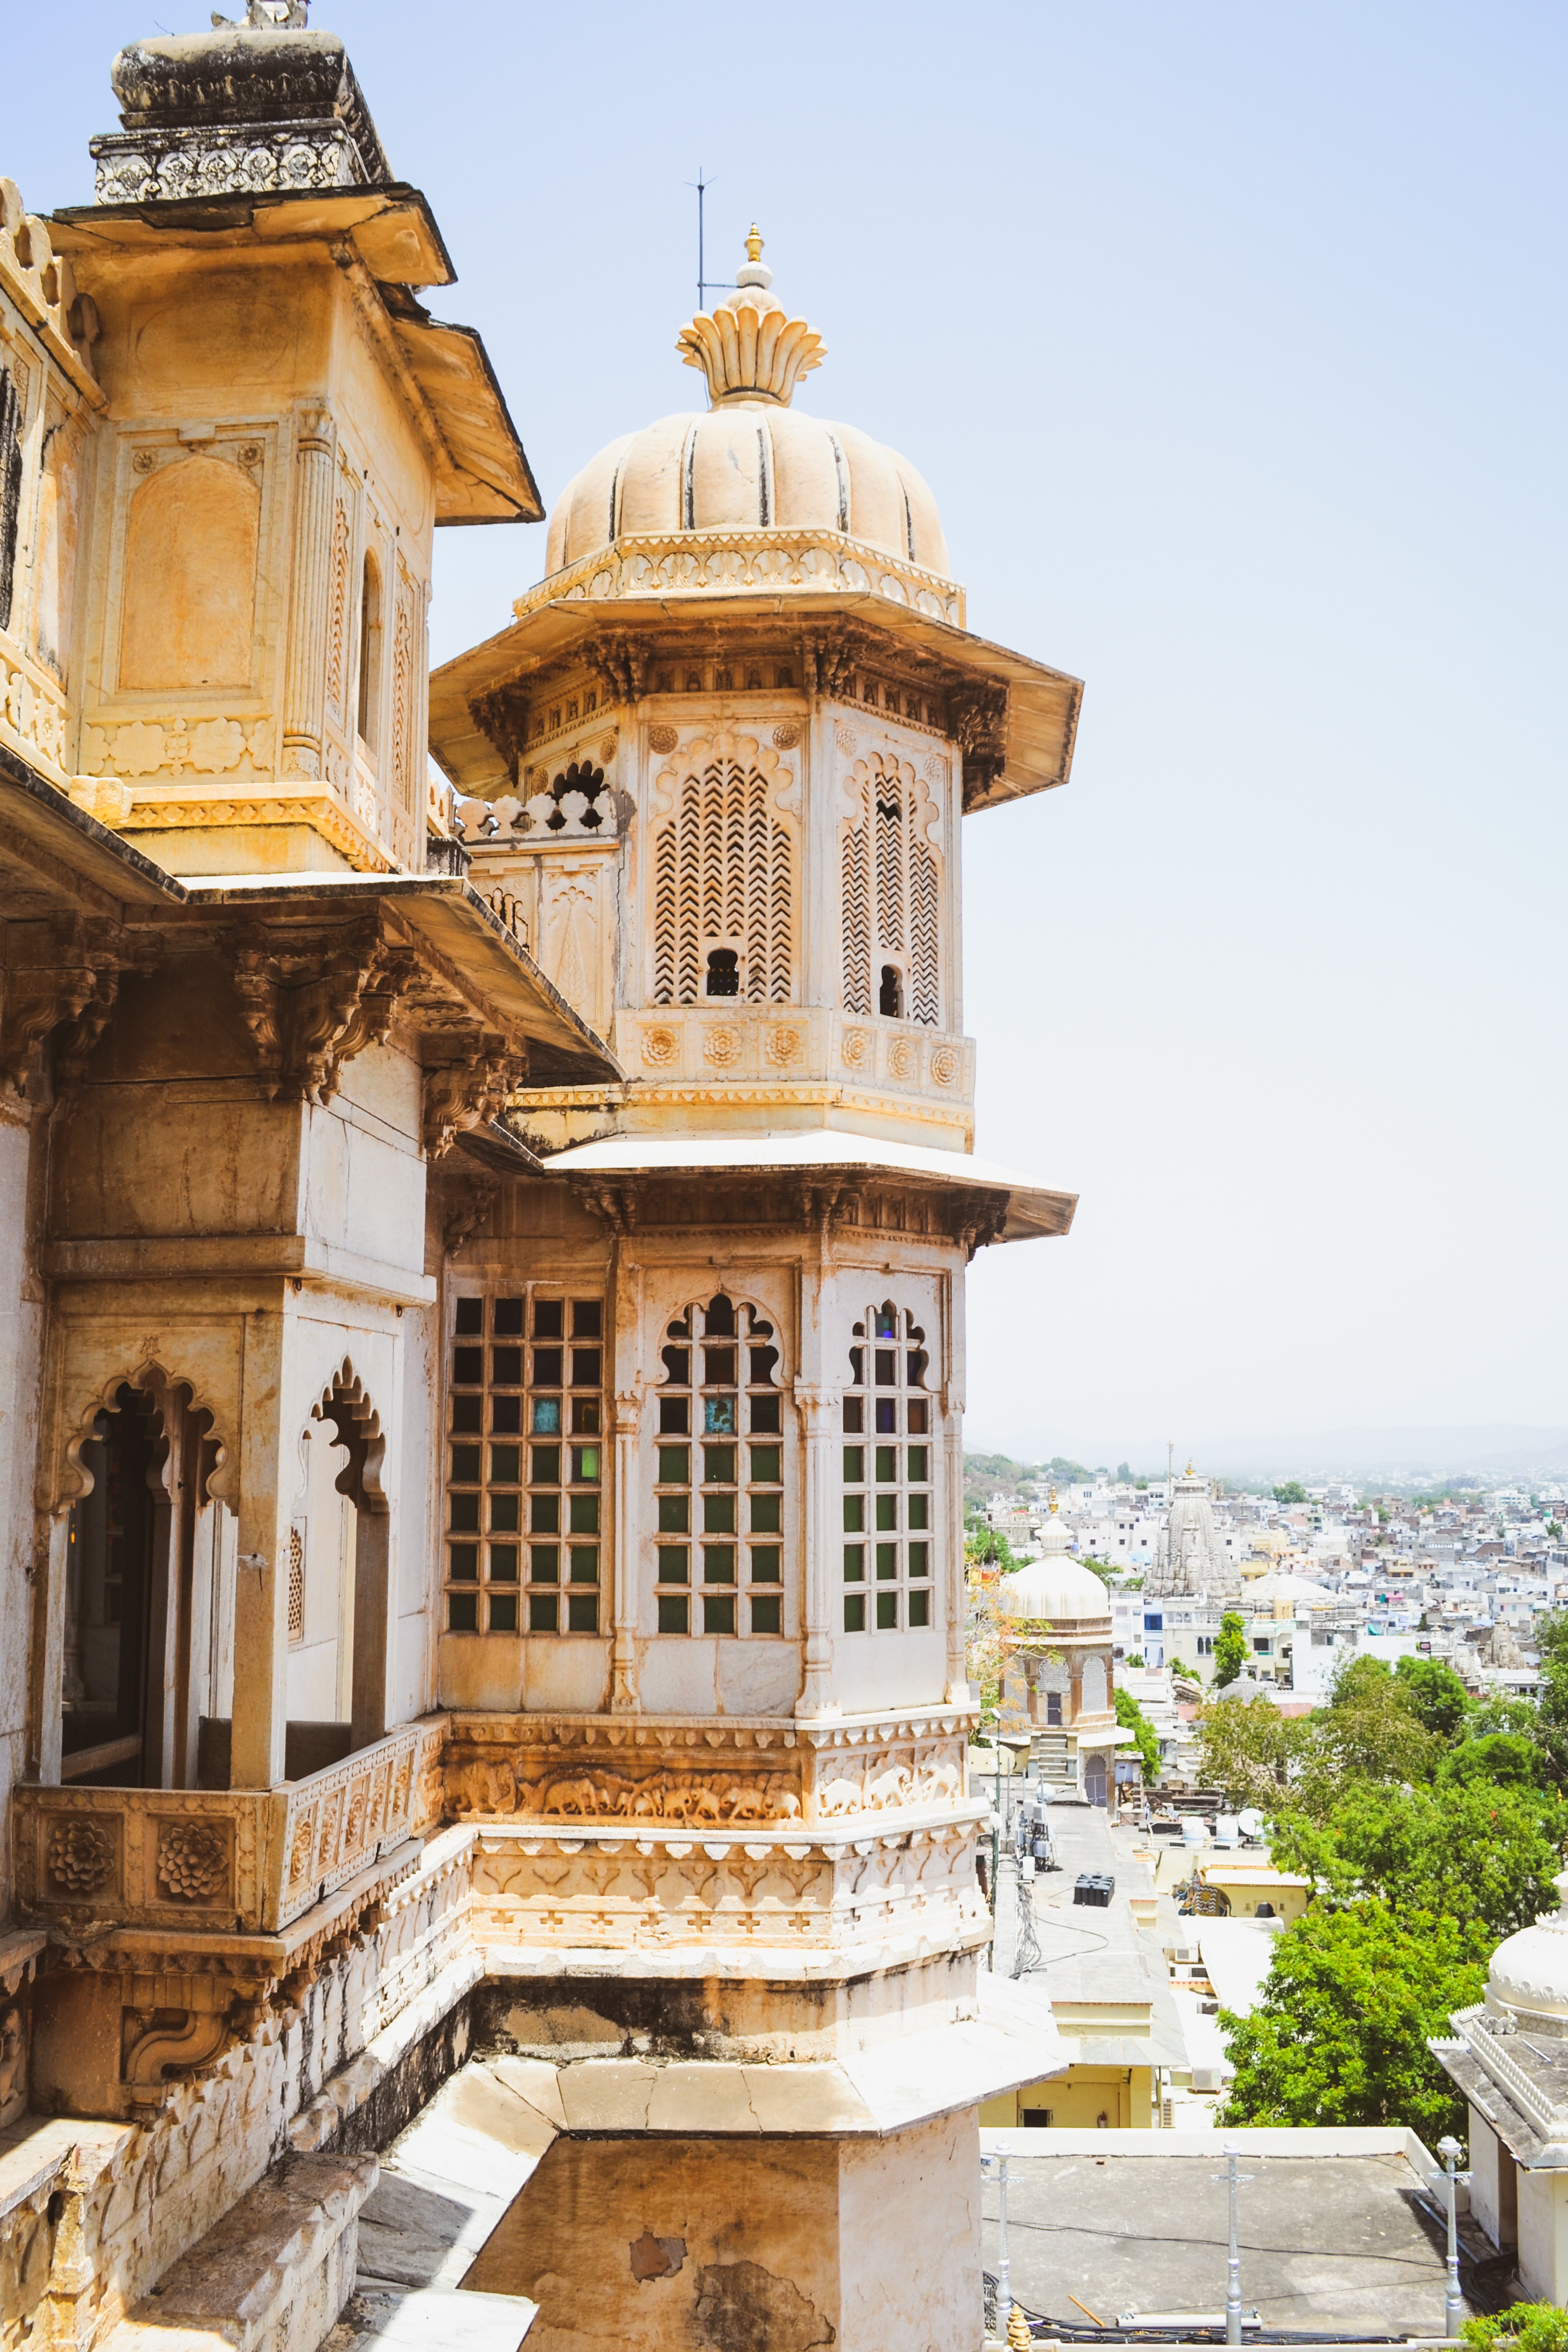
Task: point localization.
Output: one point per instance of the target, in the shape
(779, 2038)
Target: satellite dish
(1250, 1822)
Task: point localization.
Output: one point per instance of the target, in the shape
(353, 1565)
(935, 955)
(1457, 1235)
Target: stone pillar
(955, 1599)
(623, 1387)
(818, 1408)
(305, 693)
(261, 1575)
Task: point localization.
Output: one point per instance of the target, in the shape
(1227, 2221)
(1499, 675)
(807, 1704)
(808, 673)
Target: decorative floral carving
(143, 461)
(662, 739)
(784, 1046)
(304, 1846)
(936, 768)
(218, 744)
(722, 1048)
(607, 748)
(853, 1047)
(787, 736)
(900, 1058)
(81, 1856)
(193, 1860)
(659, 1048)
(845, 738)
(944, 1065)
(355, 1827)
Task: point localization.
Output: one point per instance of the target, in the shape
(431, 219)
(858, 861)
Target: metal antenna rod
(722, 285)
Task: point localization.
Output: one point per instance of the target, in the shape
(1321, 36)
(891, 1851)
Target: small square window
(919, 1510)
(717, 1466)
(854, 1416)
(762, 1360)
(543, 1612)
(912, 1363)
(547, 1322)
(919, 1559)
(587, 1319)
(765, 1470)
(466, 1413)
(885, 1323)
(547, 1364)
(471, 1316)
(504, 1514)
(854, 1513)
(463, 1612)
(585, 1463)
(504, 1465)
(717, 1514)
(887, 1510)
(887, 1465)
(767, 1612)
(585, 1362)
(887, 1561)
(767, 1515)
(467, 1367)
(503, 1613)
(767, 1564)
(674, 1613)
(920, 1608)
(854, 1613)
(584, 1416)
(886, 1611)
(718, 1612)
(765, 1421)
(887, 1416)
(463, 1563)
(506, 1368)
(465, 1509)
(503, 1563)
(545, 1418)
(506, 1415)
(544, 1465)
(584, 1514)
(674, 1514)
(854, 1464)
(919, 1416)
(674, 1466)
(719, 1416)
(674, 1416)
(544, 1563)
(854, 1563)
(466, 1464)
(886, 1367)
(583, 1563)
(545, 1514)
(678, 1367)
(920, 1459)
(718, 1368)
(718, 1563)
(674, 1564)
(507, 1323)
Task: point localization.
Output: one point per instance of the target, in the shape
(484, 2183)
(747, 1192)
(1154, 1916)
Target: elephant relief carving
(606, 1796)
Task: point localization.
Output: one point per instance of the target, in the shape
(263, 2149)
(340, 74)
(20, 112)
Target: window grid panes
(718, 1486)
(889, 1515)
(525, 1465)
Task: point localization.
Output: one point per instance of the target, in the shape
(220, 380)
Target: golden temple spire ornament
(748, 347)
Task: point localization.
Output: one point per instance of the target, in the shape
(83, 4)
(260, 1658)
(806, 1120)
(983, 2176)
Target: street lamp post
(1453, 2301)
(1233, 2181)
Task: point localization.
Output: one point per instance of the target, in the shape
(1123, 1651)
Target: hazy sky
(1231, 340)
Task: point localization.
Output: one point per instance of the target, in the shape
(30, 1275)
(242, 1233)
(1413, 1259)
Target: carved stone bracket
(311, 1003)
(65, 978)
(470, 1201)
(470, 1093)
(978, 715)
(620, 665)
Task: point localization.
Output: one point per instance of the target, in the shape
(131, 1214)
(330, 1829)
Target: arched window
(369, 653)
(723, 972)
(890, 890)
(718, 1483)
(890, 997)
(888, 1510)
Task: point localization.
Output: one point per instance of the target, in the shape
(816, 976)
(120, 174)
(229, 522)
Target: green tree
(1340, 2035)
(1505, 1759)
(1432, 1688)
(1522, 2328)
(1292, 1491)
(989, 1547)
(1230, 1652)
(1479, 1854)
(1249, 1751)
(1132, 1718)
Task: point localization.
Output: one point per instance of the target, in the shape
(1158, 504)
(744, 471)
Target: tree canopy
(1132, 1718)
(1230, 1652)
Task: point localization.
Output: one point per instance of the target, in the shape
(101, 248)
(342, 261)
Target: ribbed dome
(1530, 1970)
(752, 463)
(1055, 1590)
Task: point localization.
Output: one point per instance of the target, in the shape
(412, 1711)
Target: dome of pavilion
(752, 462)
(1530, 1970)
(1056, 1590)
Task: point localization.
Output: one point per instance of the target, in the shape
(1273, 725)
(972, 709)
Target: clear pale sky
(1230, 338)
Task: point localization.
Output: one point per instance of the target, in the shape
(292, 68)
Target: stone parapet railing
(241, 1859)
(741, 563)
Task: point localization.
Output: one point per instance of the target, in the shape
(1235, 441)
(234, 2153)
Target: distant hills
(1421, 1455)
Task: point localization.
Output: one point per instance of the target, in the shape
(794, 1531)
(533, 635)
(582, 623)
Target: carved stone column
(305, 692)
(819, 1415)
(955, 1600)
(624, 1551)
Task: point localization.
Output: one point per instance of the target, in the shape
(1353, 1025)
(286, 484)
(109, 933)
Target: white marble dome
(1057, 1589)
(1530, 1969)
(750, 463)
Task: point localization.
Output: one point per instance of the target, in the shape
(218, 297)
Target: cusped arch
(75, 1481)
(345, 1403)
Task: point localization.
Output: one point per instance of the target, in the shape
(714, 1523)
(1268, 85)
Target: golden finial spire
(754, 245)
(751, 348)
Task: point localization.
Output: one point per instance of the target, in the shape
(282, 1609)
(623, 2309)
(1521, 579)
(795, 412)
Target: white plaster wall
(909, 2237)
(1543, 2235)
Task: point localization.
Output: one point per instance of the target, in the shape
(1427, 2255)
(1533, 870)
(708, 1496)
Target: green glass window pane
(887, 1510)
(887, 1560)
(854, 1613)
(887, 1465)
(545, 1418)
(463, 1563)
(854, 1464)
(919, 1510)
(504, 1464)
(586, 1463)
(504, 1514)
(467, 1412)
(585, 1515)
(674, 1612)
(767, 1564)
(717, 1514)
(919, 1608)
(719, 1416)
(545, 1514)
(544, 1465)
(718, 1612)
(919, 1461)
(674, 1564)
(919, 1559)
(718, 1563)
(854, 1513)
(503, 1563)
(463, 1612)
(584, 1560)
(767, 1614)
(765, 1471)
(581, 1613)
(503, 1613)
(674, 1466)
(765, 1416)
(544, 1563)
(854, 1563)
(886, 1611)
(717, 1466)
(466, 1514)
(767, 1515)
(466, 1466)
(674, 1514)
(542, 1611)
